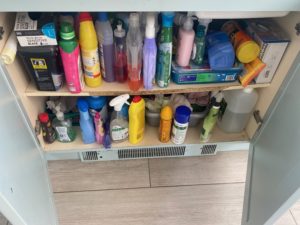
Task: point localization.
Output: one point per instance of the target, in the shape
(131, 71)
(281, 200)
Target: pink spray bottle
(99, 130)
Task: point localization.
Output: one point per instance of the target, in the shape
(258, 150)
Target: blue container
(98, 104)
(220, 51)
(182, 114)
(86, 122)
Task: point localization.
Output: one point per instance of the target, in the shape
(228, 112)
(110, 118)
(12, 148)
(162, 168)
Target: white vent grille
(89, 156)
(208, 150)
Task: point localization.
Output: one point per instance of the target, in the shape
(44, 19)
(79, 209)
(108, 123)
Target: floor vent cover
(209, 149)
(151, 152)
(89, 156)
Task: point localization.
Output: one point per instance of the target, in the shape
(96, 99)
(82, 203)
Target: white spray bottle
(119, 124)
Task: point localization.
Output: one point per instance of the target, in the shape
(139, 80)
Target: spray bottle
(118, 124)
(99, 131)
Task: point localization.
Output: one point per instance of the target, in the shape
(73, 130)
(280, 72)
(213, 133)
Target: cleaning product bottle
(106, 46)
(136, 120)
(98, 104)
(163, 69)
(63, 127)
(185, 42)
(70, 55)
(165, 126)
(89, 50)
(181, 124)
(134, 52)
(47, 129)
(99, 130)
(118, 124)
(199, 45)
(66, 17)
(120, 67)
(86, 122)
(149, 52)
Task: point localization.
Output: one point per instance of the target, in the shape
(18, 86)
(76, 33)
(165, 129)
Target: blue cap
(102, 16)
(82, 105)
(182, 114)
(167, 19)
(96, 102)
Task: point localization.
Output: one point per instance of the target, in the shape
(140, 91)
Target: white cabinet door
(273, 179)
(25, 193)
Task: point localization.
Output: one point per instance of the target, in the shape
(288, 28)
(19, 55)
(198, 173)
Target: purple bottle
(149, 52)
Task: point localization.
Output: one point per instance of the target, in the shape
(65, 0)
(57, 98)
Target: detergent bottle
(119, 124)
(70, 54)
(89, 50)
(136, 120)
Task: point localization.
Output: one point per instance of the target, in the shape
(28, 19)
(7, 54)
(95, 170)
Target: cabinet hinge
(257, 117)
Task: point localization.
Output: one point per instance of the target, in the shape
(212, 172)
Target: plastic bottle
(180, 125)
(136, 120)
(86, 122)
(149, 52)
(118, 124)
(134, 52)
(98, 104)
(106, 46)
(66, 17)
(70, 55)
(47, 129)
(239, 105)
(165, 126)
(99, 130)
(89, 50)
(199, 45)
(120, 67)
(210, 122)
(185, 42)
(163, 69)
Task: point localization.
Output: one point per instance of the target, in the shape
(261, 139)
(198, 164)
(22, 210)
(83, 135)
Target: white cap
(150, 25)
(247, 90)
(119, 32)
(134, 19)
(188, 23)
(60, 115)
(119, 101)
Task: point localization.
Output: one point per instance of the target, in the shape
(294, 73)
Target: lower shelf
(150, 139)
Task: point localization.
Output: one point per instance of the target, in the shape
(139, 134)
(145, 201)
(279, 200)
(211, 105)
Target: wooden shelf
(112, 89)
(150, 139)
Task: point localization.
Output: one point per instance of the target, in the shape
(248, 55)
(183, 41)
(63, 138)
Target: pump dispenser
(119, 124)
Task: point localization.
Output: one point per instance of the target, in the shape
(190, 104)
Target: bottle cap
(119, 101)
(96, 102)
(85, 16)
(66, 31)
(188, 23)
(43, 117)
(119, 32)
(134, 19)
(166, 113)
(179, 19)
(136, 99)
(167, 19)
(150, 26)
(182, 114)
(248, 90)
(82, 105)
(102, 16)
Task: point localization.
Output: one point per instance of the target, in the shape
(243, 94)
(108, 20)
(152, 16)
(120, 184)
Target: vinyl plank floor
(3, 220)
(185, 205)
(73, 175)
(286, 219)
(225, 167)
(295, 210)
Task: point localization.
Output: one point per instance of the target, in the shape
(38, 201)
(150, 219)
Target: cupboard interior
(33, 100)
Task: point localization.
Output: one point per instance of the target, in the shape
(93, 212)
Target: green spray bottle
(165, 51)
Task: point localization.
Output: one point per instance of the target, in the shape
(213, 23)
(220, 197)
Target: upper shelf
(112, 89)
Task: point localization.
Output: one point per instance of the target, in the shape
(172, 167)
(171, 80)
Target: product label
(38, 63)
(164, 64)
(23, 22)
(119, 133)
(57, 80)
(62, 134)
(91, 63)
(101, 54)
(179, 132)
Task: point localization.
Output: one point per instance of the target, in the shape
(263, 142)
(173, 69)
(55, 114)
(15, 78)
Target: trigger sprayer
(119, 101)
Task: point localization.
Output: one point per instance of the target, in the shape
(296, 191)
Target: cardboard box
(40, 32)
(273, 43)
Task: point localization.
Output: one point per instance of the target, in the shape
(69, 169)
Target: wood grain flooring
(177, 191)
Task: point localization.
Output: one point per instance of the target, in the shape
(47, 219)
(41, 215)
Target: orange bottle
(165, 124)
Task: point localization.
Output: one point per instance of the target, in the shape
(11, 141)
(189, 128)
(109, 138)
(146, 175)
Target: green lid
(67, 31)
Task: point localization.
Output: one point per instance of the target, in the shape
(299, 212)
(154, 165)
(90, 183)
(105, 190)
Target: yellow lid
(247, 51)
(166, 113)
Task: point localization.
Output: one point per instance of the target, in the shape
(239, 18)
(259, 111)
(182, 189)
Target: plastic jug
(239, 106)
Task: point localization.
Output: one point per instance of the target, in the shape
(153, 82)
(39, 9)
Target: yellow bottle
(136, 120)
(165, 126)
(89, 50)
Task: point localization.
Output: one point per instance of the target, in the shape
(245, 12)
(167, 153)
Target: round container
(98, 104)
(181, 123)
(166, 115)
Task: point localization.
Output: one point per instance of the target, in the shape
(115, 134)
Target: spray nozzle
(119, 101)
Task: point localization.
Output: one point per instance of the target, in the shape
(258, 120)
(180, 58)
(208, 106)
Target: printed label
(101, 55)
(164, 64)
(41, 40)
(23, 22)
(62, 134)
(119, 133)
(38, 63)
(91, 63)
(179, 132)
(57, 80)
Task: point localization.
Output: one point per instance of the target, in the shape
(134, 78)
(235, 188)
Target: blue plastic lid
(182, 114)
(221, 56)
(97, 102)
(102, 16)
(82, 105)
(167, 19)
